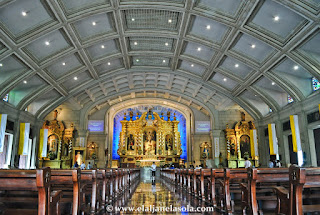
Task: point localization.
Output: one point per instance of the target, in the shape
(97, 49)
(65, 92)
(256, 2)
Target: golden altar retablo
(149, 139)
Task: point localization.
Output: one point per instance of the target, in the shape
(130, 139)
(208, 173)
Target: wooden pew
(89, 188)
(196, 183)
(102, 187)
(261, 182)
(300, 179)
(190, 181)
(216, 176)
(30, 181)
(205, 184)
(231, 184)
(69, 182)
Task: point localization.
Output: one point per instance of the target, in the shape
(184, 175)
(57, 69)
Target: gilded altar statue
(149, 138)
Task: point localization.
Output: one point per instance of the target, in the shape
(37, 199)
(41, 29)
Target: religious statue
(130, 142)
(150, 143)
(79, 158)
(245, 146)
(169, 142)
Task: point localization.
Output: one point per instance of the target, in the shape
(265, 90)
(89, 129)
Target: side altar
(149, 139)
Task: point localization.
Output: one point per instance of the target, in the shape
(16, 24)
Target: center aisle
(161, 198)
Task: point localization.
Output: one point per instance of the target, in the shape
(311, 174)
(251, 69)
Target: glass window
(290, 99)
(6, 98)
(315, 84)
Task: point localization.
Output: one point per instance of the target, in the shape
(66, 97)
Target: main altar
(149, 138)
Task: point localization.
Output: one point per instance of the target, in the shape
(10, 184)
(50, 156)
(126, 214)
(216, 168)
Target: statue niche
(130, 142)
(149, 142)
(169, 142)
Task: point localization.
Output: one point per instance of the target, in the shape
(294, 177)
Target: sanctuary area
(202, 106)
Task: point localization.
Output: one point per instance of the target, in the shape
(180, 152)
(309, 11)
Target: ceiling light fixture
(132, 19)
(199, 49)
(237, 65)
(296, 67)
(102, 46)
(166, 44)
(135, 43)
(94, 23)
(208, 27)
(224, 79)
(276, 18)
(163, 61)
(1, 64)
(273, 83)
(25, 82)
(253, 46)
(75, 78)
(109, 63)
(137, 60)
(170, 20)
(47, 43)
(63, 64)
(24, 13)
(192, 65)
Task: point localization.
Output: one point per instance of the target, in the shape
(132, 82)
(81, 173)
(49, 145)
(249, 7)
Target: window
(6, 98)
(290, 99)
(315, 84)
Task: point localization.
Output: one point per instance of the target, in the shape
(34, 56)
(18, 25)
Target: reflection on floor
(161, 198)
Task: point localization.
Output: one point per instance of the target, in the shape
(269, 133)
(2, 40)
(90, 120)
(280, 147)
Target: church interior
(186, 104)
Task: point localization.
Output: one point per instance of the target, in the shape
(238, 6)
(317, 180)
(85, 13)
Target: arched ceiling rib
(164, 46)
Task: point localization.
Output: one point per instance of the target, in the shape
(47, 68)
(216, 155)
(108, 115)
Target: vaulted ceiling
(206, 53)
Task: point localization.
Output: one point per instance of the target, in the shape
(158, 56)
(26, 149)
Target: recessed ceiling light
(296, 67)
(47, 43)
(199, 49)
(237, 65)
(75, 78)
(109, 63)
(63, 64)
(170, 20)
(25, 82)
(166, 44)
(163, 61)
(135, 43)
(1, 64)
(208, 27)
(192, 65)
(132, 19)
(273, 83)
(253, 46)
(276, 18)
(137, 60)
(102, 46)
(94, 23)
(24, 13)
(255, 95)
(224, 79)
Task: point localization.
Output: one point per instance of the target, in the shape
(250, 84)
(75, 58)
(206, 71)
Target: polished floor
(160, 198)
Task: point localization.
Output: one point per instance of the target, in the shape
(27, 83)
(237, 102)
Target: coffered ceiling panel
(192, 67)
(48, 46)
(29, 86)
(226, 7)
(65, 65)
(103, 49)
(276, 21)
(76, 80)
(235, 67)
(198, 51)
(256, 102)
(150, 61)
(3, 48)
(151, 44)
(224, 81)
(22, 17)
(94, 26)
(74, 6)
(208, 29)
(310, 48)
(10, 68)
(149, 19)
(253, 49)
(111, 65)
(43, 100)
